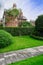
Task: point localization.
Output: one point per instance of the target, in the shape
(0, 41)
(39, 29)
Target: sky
(31, 8)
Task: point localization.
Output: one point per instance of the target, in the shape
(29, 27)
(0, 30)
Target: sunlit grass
(22, 42)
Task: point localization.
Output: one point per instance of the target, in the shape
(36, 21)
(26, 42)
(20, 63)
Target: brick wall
(12, 23)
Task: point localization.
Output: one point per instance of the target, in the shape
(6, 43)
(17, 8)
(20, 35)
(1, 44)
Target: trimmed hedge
(37, 37)
(37, 33)
(5, 39)
(17, 31)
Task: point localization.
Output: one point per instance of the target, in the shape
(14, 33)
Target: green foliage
(12, 13)
(36, 35)
(24, 24)
(5, 39)
(18, 31)
(1, 25)
(39, 25)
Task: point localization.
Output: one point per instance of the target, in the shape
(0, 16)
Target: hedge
(17, 31)
(36, 37)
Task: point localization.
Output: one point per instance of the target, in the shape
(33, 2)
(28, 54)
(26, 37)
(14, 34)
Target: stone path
(15, 56)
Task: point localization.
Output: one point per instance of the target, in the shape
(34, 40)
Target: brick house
(13, 22)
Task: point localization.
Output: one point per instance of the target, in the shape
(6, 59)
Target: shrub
(5, 39)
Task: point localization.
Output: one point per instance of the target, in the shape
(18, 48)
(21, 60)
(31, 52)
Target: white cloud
(30, 10)
(1, 13)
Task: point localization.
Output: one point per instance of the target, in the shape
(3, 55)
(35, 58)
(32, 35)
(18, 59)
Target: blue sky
(30, 8)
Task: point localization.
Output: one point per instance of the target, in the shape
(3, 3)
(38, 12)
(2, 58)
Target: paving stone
(9, 58)
(2, 61)
(1, 55)
(14, 56)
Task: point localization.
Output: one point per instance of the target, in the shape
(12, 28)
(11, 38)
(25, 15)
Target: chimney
(14, 6)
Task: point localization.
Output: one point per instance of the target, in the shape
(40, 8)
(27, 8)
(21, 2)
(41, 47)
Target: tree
(39, 25)
(24, 24)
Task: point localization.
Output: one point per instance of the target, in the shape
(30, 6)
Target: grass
(38, 60)
(22, 42)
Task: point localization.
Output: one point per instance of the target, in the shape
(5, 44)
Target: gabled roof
(22, 18)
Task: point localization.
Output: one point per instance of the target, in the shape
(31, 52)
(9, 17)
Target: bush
(5, 39)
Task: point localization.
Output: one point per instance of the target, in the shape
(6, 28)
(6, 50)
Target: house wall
(12, 23)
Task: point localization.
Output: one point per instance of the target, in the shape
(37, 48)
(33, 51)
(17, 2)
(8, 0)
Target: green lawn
(22, 42)
(38, 60)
